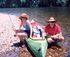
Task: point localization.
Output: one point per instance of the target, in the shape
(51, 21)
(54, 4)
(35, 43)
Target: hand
(16, 30)
(49, 36)
(54, 36)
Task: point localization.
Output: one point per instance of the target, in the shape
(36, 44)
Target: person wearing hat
(53, 31)
(26, 28)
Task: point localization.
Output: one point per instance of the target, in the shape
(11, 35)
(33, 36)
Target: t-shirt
(53, 30)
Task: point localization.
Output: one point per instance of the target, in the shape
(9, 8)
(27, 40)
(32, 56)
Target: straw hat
(51, 19)
(24, 15)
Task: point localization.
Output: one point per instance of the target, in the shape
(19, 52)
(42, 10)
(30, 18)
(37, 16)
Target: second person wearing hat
(53, 31)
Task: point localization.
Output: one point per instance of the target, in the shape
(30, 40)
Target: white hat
(51, 19)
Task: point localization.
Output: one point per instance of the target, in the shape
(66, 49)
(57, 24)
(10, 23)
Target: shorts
(26, 31)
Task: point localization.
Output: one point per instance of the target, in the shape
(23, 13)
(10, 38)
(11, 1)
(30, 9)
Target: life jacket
(36, 31)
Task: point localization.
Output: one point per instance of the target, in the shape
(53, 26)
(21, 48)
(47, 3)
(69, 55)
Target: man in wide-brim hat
(51, 19)
(53, 31)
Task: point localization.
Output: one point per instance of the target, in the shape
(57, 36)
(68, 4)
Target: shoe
(56, 44)
(23, 46)
(16, 44)
(49, 45)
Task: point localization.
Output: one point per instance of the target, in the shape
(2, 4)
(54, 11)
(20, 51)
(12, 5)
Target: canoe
(37, 46)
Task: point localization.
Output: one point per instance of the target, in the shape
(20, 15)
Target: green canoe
(37, 46)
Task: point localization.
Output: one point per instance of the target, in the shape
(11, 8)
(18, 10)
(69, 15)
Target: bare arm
(30, 28)
(54, 36)
(20, 24)
(57, 35)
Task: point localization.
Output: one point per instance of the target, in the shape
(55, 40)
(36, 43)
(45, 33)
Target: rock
(57, 52)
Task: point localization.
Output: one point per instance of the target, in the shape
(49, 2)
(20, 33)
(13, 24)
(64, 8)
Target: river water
(61, 14)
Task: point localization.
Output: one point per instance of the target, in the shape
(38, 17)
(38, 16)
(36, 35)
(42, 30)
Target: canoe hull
(38, 47)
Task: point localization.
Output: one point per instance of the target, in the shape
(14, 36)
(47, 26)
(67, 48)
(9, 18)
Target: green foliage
(14, 5)
(23, 1)
(34, 3)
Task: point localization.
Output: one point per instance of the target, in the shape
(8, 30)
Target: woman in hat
(53, 31)
(26, 28)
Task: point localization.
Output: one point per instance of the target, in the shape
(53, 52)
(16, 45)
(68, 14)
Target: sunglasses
(52, 22)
